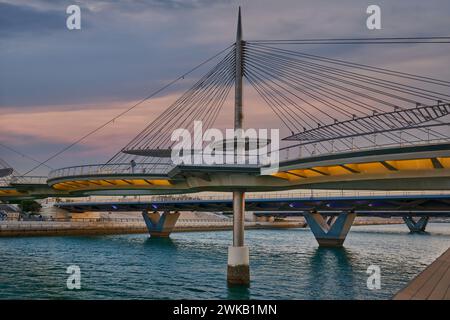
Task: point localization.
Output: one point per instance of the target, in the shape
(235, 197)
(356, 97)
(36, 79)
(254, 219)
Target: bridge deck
(432, 284)
(386, 206)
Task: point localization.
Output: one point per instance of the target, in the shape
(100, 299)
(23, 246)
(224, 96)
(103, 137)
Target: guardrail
(311, 149)
(113, 169)
(28, 180)
(187, 222)
(298, 151)
(48, 219)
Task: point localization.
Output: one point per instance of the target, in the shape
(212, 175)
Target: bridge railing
(112, 169)
(292, 152)
(138, 221)
(306, 150)
(28, 180)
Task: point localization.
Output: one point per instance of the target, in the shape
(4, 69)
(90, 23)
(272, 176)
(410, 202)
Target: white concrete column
(238, 218)
(238, 271)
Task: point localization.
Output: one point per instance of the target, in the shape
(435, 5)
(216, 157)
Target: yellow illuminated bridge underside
(371, 168)
(93, 184)
(301, 175)
(9, 192)
(424, 167)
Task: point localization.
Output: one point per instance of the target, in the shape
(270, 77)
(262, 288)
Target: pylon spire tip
(239, 26)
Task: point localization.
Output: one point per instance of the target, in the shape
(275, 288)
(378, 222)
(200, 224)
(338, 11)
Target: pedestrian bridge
(412, 167)
(419, 167)
(357, 127)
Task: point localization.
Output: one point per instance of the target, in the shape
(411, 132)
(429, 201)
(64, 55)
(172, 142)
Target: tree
(30, 206)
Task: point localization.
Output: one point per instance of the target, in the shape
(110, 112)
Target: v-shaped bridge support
(331, 231)
(416, 226)
(160, 224)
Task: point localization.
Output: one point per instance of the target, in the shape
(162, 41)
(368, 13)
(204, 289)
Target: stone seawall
(52, 228)
(370, 221)
(47, 228)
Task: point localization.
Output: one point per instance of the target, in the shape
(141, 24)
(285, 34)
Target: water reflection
(164, 243)
(238, 292)
(330, 271)
(285, 264)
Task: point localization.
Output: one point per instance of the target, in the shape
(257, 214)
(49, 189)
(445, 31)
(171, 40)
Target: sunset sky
(56, 84)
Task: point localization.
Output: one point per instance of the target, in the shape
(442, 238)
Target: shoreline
(50, 228)
(76, 228)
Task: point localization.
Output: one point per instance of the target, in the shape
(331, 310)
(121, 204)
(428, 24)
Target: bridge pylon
(330, 232)
(238, 270)
(160, 225)
(416, 226)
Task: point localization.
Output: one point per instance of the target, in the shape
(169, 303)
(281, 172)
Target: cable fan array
(336, 104)
(202, 102)
(327, 104)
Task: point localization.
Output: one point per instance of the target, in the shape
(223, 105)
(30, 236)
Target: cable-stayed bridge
(349, 126)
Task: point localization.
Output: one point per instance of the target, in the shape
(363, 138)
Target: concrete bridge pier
(416, 226)
(331, 231)
(160, 225)
(238, 271)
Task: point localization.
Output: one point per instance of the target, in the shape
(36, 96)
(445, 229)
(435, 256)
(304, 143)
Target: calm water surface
(285, 264)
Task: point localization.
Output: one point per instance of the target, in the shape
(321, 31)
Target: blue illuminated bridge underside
(384, 206)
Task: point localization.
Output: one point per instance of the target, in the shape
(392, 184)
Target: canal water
(285, 264)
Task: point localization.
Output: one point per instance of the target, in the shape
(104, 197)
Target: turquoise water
(285, 264)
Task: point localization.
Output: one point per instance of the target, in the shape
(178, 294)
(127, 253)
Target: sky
(58, 84)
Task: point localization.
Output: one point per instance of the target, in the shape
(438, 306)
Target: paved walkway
(432, 284)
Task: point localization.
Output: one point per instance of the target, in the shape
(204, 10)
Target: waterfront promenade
(432, 284)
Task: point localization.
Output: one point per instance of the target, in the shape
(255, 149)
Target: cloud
(56, 84)
(17, 20)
